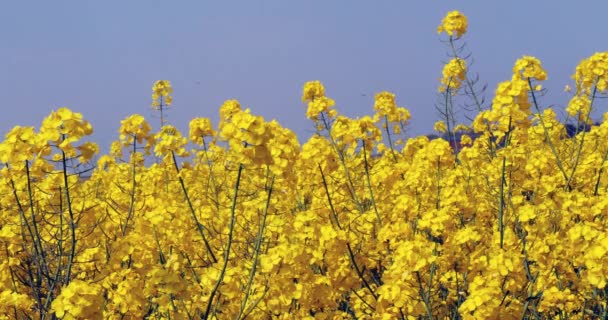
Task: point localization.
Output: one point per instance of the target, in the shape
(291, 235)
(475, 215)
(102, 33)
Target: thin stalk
(466, 78)
(133, 186)
(599, 175)
(472, 92)
(584, 134)
(160, 108)
(72, 221)
(369, 185)
(331, 204)
(388, 134)
(547, 137)
(59, 254)
(228, 245)
(37, 251)
(199, 226)
(351, 254)
(450, 121)
(37, 240)
(258, 245)
(360, 273)
(256, 302)
(438, 201)
(161, 254)
(212, 177)
(501, 209)
(37, 290)
(423, 295)
(351, 185)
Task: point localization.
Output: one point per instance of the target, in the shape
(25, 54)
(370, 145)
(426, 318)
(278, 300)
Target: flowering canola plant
(242, 221)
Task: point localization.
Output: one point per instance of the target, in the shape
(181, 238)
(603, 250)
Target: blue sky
(102, 57)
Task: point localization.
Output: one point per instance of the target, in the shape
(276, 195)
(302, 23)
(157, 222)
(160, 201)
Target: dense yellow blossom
(312, 90)
(241, 221)
(454, 24)
(454, 72)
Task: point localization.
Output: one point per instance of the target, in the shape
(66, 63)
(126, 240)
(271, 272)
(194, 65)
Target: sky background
(101, 58)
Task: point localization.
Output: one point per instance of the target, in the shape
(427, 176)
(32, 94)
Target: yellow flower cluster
(592, 71)
(240, 220)
(511, 105)
(387, 109)
(529, 67)
(454, 24)
(318, 104)
(454, 72)
(161, 94)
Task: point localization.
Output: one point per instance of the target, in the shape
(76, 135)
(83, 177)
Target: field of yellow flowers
(502, 218)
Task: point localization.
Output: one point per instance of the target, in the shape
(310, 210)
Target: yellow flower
(440, 126)
(454, 72)
(454, 24)
(161, 94)
(169, 139)
(529, 67)
(134, 128)
(590, 71)
(466, 140)
(319, 105)
(385, 103)
(199, 129)
(579, 105)
(312, 90)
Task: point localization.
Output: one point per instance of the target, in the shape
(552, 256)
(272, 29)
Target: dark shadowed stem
(424, 296)
(501, 209)
(36, 289)
(390, 139)
(599, 175)
(359, 272)
(72, 222)
(331, 204)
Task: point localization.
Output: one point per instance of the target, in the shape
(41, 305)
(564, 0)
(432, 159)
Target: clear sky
(102, 57)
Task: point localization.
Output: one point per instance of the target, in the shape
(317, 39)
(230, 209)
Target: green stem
(72, 220)
(228, 245)
(425, 298)
(331, 205)
(466, 78)
(501, 209)
(388, 134)
(580, 147)
(258, 245)
(351, 186)
(37, 290)
(351, 254)
(599, 175)
(212, 177)
(369, 185)
(133, 186)
(449, 121)
(199, 226)
(546, 131)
